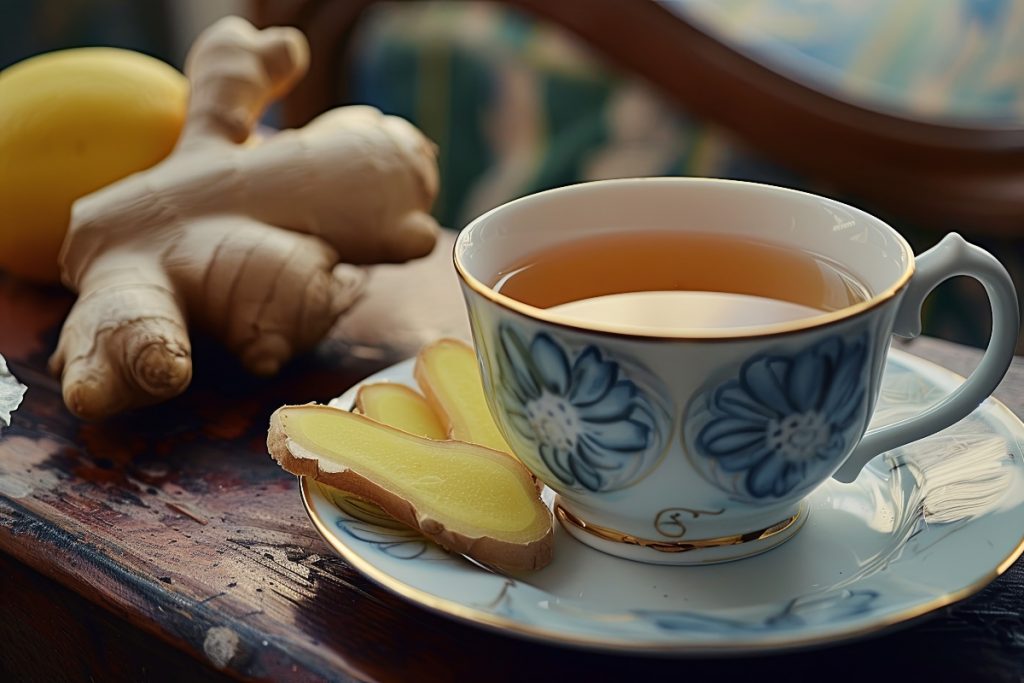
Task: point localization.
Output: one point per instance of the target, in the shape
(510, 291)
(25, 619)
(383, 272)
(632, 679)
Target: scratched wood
(174, 524)
(82, 639)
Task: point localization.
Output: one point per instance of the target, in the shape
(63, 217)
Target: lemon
(71, 122)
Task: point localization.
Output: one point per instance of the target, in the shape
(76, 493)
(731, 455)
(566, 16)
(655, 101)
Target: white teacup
(695, 446)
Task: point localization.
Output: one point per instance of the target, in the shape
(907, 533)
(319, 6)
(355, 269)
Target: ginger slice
(449, 377)
(467, 498)
(401, 407)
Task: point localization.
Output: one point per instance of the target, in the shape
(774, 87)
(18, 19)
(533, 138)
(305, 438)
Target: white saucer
(923, 526)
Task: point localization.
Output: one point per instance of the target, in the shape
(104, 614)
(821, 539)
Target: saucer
(922, 527)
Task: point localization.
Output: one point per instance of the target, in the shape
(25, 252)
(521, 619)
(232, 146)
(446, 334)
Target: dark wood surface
(949, 176)
(166, 545)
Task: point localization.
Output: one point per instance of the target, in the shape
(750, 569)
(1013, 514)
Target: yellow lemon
(71, 122)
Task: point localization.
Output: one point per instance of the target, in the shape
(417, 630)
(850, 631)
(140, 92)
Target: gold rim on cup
(615, 536)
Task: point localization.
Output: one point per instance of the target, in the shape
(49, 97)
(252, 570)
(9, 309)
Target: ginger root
(467, 498)
(241, 237)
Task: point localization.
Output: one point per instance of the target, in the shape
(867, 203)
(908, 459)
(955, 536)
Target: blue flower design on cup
(591, 426)
(785, 418)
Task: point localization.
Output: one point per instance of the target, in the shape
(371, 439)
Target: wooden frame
(936, 175)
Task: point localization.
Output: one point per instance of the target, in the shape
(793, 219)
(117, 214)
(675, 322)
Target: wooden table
(167, 546)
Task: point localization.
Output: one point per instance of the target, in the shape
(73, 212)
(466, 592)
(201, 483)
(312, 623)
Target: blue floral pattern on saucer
(592, 426)
(367, 523)
(800, 613)
(955, 503)
(785, 417)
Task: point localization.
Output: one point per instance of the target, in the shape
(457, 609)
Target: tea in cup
(683, 361)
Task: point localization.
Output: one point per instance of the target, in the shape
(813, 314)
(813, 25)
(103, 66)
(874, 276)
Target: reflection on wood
(172, 523)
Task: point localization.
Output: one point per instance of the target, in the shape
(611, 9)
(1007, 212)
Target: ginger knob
(254, 241)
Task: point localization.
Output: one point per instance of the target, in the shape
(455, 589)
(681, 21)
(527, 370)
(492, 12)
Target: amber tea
(664, 281)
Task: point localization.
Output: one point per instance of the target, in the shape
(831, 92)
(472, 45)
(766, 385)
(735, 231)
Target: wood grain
(173, 530)
(52, 634)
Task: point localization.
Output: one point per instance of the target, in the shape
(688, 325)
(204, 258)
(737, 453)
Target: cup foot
(688, 552)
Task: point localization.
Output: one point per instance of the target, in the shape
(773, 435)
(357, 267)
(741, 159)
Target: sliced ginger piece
(449, 377)
(401, 407)
(467, 498)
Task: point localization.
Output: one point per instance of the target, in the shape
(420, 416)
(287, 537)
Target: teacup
(690, 446)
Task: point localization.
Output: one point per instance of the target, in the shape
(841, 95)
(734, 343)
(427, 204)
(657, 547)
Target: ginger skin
(434, 487)
(248, 240)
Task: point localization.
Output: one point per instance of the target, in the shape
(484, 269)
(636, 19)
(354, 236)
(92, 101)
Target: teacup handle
(950, 257)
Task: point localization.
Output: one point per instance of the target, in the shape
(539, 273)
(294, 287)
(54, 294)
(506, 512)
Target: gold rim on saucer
(615, 536)
(506, 625)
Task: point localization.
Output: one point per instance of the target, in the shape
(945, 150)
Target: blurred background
(912, 110)
(161, 28)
